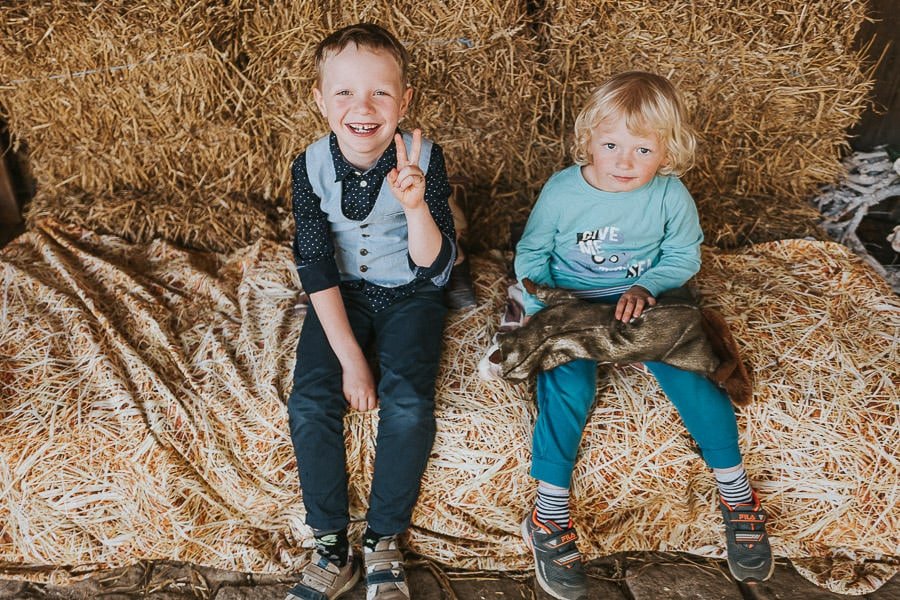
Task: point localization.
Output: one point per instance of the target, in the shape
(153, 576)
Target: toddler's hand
(632, 303)
(359, 385)
(407, 181)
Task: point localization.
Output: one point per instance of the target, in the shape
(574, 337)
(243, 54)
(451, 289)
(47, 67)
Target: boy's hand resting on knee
(359, 385)
(407, 181)
(632, 303)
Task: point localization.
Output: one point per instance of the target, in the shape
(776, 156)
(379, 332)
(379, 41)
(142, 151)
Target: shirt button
(364, 225)
(363, 268)
(366, 235)
(363, 183)
(364, 252)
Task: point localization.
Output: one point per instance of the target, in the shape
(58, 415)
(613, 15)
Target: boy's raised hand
(407, 181)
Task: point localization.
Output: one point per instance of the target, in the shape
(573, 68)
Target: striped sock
(553, 504)
(734, 486)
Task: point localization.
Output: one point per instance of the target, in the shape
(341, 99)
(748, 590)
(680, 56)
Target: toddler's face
(362, 96)
(621, 160)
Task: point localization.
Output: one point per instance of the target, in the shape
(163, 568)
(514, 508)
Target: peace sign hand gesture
(407, 181)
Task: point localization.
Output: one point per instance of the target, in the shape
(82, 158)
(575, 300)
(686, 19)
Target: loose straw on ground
(143, 417)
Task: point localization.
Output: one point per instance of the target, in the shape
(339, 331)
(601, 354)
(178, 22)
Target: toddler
(620, 227)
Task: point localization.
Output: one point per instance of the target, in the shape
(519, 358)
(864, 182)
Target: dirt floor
(631, 576)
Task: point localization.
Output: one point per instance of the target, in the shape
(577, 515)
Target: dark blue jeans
(407, 339)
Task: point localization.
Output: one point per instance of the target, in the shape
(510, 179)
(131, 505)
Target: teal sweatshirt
(601, 243)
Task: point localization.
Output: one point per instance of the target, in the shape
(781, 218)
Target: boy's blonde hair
(364, 35)
(649, 103)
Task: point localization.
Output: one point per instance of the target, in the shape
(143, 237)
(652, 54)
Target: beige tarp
(142, 416)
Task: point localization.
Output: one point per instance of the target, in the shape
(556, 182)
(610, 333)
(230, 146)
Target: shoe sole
(537, 572)
(758, 580)
(351, 583)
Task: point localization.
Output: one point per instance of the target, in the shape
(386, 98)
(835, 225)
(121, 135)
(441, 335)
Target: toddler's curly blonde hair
(649, 103)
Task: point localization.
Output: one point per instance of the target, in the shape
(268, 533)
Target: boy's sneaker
(385, 577)
(321, 579)
(557, 561)
(749, 553)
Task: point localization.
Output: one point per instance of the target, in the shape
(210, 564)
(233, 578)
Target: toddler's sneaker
(749, 553)
(385, 577)
(557, 561)
(321, 579)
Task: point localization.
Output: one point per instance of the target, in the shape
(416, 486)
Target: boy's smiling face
(622, 160)
(362, 95)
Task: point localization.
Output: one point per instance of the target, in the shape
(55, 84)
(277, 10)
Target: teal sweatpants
(565, 396)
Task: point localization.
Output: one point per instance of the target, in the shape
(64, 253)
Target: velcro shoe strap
(382, 556)
(750, 518)
(301, 592)
(569, 536)
(385, 576)
(568, 559)
(749, 537)
(316, 577)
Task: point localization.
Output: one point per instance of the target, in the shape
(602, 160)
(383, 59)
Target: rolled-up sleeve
(313, 248)
(437, 197)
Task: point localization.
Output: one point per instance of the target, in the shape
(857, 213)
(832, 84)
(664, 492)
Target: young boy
(619, 227)
(374, 245)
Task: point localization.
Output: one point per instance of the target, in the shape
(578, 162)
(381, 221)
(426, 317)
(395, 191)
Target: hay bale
(219, 224)
(143, 417)
(772, 86)
(730, 221)
(143, 411)
(200, 100)
(152, 423)
(115, 96)
(466, 56)
(206, 100)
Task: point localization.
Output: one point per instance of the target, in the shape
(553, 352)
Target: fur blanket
(675, 331)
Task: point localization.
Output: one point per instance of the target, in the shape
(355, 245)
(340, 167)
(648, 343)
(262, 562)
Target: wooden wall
(882, 125)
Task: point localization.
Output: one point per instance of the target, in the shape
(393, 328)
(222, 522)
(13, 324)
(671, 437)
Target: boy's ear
(406, 99)
(320, 100)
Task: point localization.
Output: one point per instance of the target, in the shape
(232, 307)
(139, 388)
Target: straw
(143, 417)
(771, 86)
(200, 100)
(114, 96)
(223, 224)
